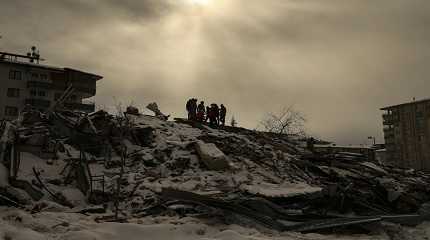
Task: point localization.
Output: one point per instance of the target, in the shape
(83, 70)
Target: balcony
(388, 129)
(91, 91)
(84, 107)
(38, 84)
(81, 89)
(38, 103)
(389, 119)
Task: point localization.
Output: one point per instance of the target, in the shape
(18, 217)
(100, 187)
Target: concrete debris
(73, 196)
(154, 107)
(132, 110)
(137, 165)
(285, 190)
(15, 196)
(211, 156)
(31, 189)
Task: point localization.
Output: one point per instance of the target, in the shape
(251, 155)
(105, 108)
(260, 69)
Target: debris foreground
(118, 169)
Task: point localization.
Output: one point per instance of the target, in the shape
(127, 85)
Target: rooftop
(408, 103)
(33, 62)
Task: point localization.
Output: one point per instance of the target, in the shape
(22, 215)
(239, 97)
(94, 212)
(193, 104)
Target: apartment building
(407, 134)
(24, 81)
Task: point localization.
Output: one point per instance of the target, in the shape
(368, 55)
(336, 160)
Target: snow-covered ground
(21, 225)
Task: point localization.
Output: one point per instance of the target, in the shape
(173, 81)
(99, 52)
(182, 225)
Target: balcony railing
(88, 90)
(84, 107)
(38, 84)
(389, 119)
(47, 85)
(38, 103)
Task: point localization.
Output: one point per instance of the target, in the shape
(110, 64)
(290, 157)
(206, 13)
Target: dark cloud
(142, 9)
(337, 61)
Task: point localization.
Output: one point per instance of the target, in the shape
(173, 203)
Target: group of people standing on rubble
(199, 112)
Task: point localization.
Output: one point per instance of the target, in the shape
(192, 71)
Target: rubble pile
(133, 166)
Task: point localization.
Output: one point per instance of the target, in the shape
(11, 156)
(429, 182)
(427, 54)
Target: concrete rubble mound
(133, 166)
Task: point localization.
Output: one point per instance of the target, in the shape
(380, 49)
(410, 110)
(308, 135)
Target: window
(11, 111)
(33, 92)
(34, 76)
(420, 125)
(43, 77)
(420, 114)
(14, 75)
(13, 92)
(42, 94)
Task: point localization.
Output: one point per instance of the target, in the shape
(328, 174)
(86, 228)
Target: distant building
(366, 151)
(407, 134)
(26, 82)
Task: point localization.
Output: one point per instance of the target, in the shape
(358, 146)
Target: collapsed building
(134, 166)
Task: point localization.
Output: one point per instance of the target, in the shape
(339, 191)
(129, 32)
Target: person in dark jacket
(222, 114)
(188, 108)
(216, 114)
(192, 109)
(212, 115)
(201, 112)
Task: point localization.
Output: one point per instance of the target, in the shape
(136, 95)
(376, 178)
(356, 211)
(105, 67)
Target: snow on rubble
(66, 175)
(20, 225)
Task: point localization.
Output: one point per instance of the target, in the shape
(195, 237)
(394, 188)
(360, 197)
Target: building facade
(407, 134)
(26, 82)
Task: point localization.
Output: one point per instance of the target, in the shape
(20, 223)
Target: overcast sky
(337, 61)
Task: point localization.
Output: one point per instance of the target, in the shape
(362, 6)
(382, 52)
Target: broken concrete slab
(211, 156)
(284, 190)
(19, 196)
(73, 196)
(374, 167)
(35, 193)
(318, 225)
(154, 107)
(256, 216)
(48, 206)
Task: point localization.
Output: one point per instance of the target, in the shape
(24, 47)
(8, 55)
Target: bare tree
(287, 121)
(122, 123)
